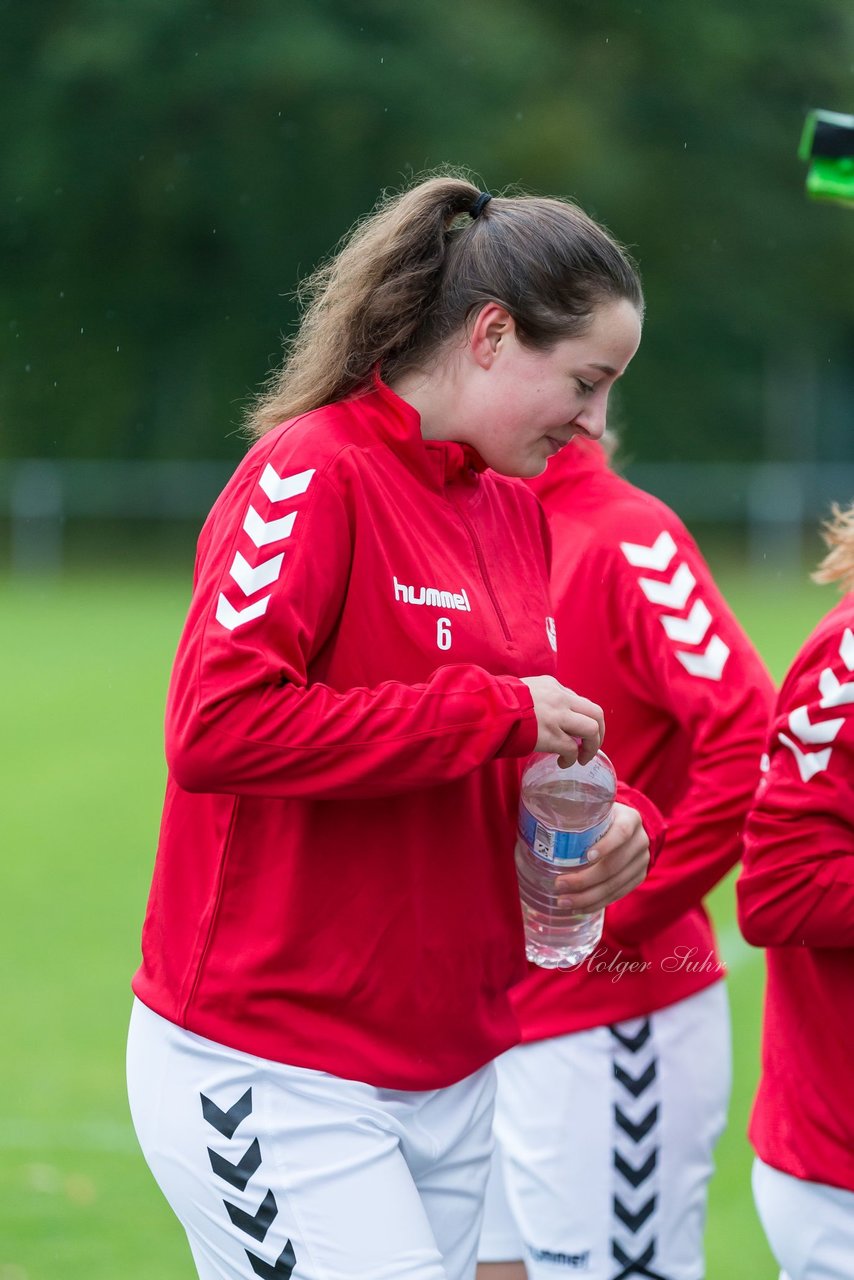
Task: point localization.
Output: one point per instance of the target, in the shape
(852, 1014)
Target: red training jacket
(334, 885)
(796, 897)
(644, 631)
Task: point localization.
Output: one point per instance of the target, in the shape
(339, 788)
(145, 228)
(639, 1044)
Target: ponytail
(408, 277)
(838, 564)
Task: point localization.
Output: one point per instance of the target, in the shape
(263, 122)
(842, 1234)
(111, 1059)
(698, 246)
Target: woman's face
(528, 404)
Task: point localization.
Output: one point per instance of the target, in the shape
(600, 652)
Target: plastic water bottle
(562, 812)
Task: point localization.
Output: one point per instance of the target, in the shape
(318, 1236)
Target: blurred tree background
(173, 166)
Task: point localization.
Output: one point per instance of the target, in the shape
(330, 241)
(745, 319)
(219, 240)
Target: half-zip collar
(439, 462)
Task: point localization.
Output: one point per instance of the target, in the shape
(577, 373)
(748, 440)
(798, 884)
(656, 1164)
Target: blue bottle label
(559, 848)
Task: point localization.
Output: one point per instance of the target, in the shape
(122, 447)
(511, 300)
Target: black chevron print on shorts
(635, 1266)
(227, 1122)
(636, 1113)
(238, 1171)
(282, 1267)
(237, 1174)
(255, 1224)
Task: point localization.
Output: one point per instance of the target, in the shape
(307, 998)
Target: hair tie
(480, 204)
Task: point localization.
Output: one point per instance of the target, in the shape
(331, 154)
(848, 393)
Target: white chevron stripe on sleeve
(277, 487)
(809, 762)
(658, 556)
(710, 663)
(833, 692)
(690, 630)
(251, 578)
(263, 532)
(674, 593)
(846, 649)
(231, 617)
(804, 729)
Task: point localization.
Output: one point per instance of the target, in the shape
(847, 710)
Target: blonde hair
(409, 276)
(838, 564)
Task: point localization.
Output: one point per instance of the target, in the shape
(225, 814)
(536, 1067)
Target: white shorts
(605, 1142)
(809, 1226)
(278, 1171)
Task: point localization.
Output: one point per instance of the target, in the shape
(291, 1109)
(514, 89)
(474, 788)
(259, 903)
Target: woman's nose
(593, 419)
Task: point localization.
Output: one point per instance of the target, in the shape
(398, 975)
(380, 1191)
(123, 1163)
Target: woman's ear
(492, 327)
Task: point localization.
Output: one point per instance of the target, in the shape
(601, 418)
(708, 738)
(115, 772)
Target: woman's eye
(586, 387)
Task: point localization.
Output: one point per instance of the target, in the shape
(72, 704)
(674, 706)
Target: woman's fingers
(567, 724)
(618, 862)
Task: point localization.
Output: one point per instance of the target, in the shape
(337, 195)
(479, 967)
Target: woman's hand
(617, 862)
(569, 725)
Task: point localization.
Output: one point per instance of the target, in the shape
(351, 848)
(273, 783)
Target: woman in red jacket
(796, 898)
(333, 924)
(631, 1049)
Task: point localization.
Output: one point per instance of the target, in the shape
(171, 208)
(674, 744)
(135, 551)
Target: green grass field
(86, 660)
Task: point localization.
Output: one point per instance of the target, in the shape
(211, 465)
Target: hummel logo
(432, 596)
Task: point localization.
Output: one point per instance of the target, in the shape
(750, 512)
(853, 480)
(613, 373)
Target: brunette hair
(409, 276)
(838, 564)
